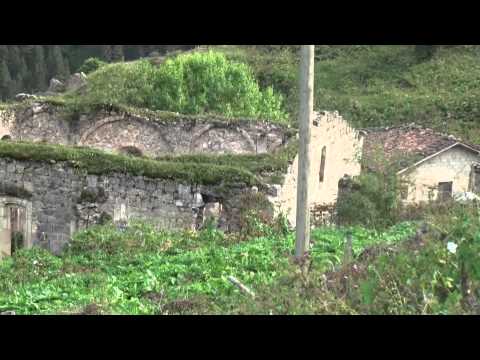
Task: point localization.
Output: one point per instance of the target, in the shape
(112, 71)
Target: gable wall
(453, 165)
(343, 145)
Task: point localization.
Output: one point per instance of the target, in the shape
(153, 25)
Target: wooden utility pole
(306, 119)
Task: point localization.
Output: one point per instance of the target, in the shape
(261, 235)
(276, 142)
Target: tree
(5, 81)
(14, 60)
(56, 64)
(37, 76)
(106, 52)
(117, 53)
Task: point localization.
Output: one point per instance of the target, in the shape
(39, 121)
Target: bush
(371, 200)
(90, 65)
(190, 84)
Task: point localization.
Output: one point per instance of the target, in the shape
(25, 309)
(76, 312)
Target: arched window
(322, 164)
(6, 137)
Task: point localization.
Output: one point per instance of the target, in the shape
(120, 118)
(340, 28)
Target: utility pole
(306, 118)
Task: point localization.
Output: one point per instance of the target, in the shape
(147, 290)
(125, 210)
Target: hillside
(371, 85)
(380, 85)
(29, 68)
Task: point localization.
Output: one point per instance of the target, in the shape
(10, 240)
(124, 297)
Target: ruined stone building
(47, 200)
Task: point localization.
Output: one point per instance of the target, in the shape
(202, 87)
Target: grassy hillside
(381, 85)
(371, 85)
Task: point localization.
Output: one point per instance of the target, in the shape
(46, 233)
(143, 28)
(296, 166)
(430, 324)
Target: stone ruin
(62, 199)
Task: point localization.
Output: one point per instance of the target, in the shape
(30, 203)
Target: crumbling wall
(343, 146)
(65, 199)
(7, 119)
(174, 134)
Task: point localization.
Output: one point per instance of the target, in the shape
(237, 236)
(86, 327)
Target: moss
(97, 162)
(71, 107)
(271, 167)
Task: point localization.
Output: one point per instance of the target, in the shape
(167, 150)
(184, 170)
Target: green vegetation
(265, 165)
(373, 202)
(90, 65)
(99, 162)
(195, 83)
(142, 271)
(380, 85)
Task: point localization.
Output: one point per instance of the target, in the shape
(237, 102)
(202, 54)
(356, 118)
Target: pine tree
(22, 75)
(3, 52)
(39, 76)
(106, 52)
(56, 63)
(14, 60)
(5, 81)
(117, 53)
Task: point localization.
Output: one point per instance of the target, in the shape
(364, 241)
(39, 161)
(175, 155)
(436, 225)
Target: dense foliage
(193, 83)
(142, 271)
(372, 202)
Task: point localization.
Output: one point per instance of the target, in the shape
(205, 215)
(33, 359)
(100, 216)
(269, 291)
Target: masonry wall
(153, 137)
(63, 200)
(343, 146)
(454, 165)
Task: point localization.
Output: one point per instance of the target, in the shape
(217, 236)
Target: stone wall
(343, 146)
(153, 137)
(63, 199)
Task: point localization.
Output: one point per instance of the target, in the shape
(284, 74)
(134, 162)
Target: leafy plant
(190, 84)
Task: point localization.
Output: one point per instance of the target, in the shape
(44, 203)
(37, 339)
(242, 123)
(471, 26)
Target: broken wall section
(65, 199)
(336, 151)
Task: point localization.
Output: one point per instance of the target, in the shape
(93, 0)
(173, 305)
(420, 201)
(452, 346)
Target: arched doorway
(15, 225)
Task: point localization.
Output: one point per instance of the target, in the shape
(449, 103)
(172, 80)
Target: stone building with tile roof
(432, 165)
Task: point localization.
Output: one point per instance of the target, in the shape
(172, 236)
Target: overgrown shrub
(371, 200)
(193, 83)
(90, 65)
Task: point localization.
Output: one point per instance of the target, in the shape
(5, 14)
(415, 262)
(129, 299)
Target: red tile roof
(405, 144)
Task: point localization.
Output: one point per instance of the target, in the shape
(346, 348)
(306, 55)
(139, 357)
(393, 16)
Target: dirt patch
(180, 307)
(91, 309)
(176, 307)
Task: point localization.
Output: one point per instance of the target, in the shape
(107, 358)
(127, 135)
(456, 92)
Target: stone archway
(116, 132)
(220, 140)
(15, 225)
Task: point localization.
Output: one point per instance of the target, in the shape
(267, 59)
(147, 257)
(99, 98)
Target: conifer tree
(39, 75)
(106, 52)
(56, 63)
(5, 81)
(117, 53)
